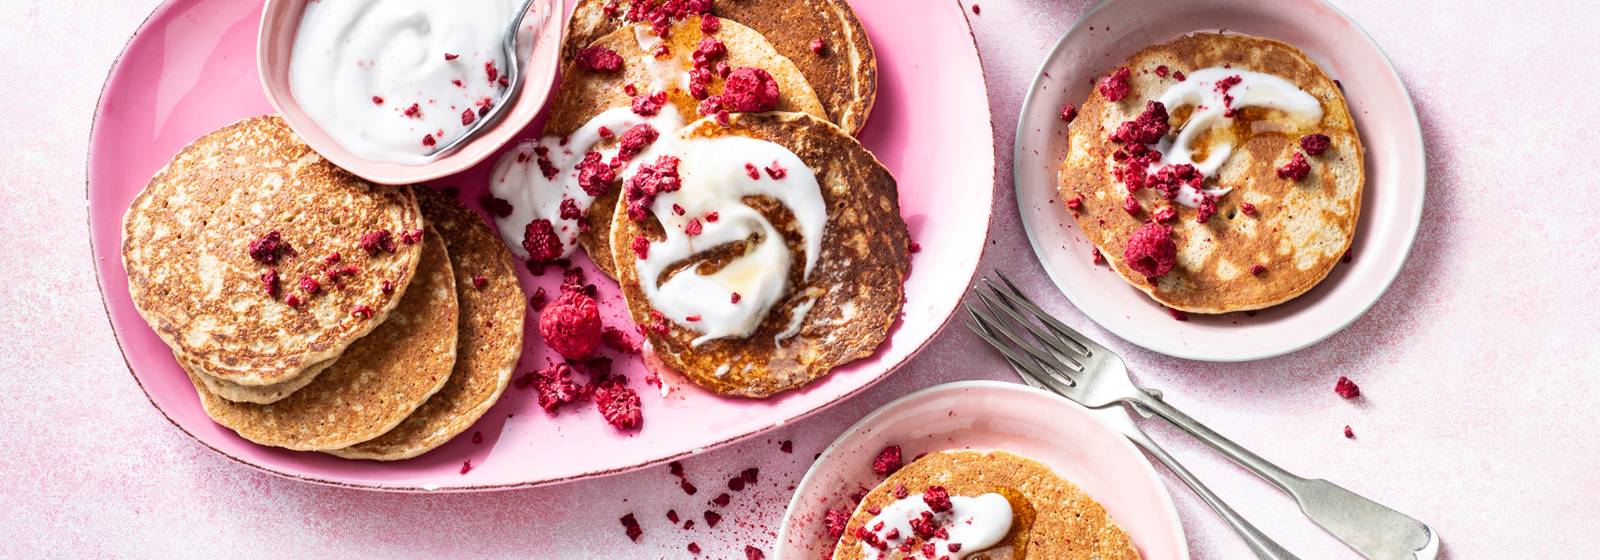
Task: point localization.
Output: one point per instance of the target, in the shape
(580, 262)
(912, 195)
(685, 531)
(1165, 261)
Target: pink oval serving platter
(191, 69)
(1391, 208)
(984, 416)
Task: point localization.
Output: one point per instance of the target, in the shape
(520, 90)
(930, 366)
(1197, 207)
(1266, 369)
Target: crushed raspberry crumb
(310, 285)
(292, 300)
(631, 526)
(1098, 257)
(1258, 269)
(712, 518)
(647, 183)
(595, 177)
(1179, 75)
(710, 24)
(1151, 251)
(672, 515)
(1075, 203)
(414, 111)
(361, 312)
(428, 140)
(1115, 86)
(937, 499)
(1348, 433)
(478, 281)
(1148, 128)
(597, 58)
(750, 90)
(776, 171)
(1296, 169)
(753, 553)
(1167, 215)
(694, 548)
(722, 500)
(1315, 144)
(569, 209)
(556, 387)
(836, 521)
(619, 404)
(571, 325)
(641, 247)
(491, 71)
(466, 466)
(467, 117)
(818, 46)
(619, 341)
(694, 227)
(377, 100)
(1248, 208)
(375, 241)
(755, 174)
(451, 56)
(540, 241)
(1131, 205)
(269, 283)
(1177, 315)
(635, 140)
(649, 105)
(1161, 70)
(688, 488)
(1346, 388)
(1069, 113)
(1207, 209)
(788, 445)
(269, 248)
(888, 461)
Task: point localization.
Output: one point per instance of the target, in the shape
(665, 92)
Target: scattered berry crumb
(1346, 388)
(888, 461)
(1348, 433)
(631, 525)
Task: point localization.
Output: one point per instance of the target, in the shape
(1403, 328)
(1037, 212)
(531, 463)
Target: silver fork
(1092, 375)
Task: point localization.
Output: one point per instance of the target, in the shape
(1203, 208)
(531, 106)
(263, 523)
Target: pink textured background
(1481, 414)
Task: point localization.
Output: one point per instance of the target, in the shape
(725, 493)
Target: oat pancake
(490, 339)
(1052, 518)
(1295, 230)
(844, 74)
(375, 384)
(585, 94)
(853, 294)
(187, 242)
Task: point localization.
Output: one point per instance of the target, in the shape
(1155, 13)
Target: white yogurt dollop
(974, 524)
(395, 80)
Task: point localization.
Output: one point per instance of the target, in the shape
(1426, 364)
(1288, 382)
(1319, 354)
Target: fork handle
(1371, 528)
(1259, 543)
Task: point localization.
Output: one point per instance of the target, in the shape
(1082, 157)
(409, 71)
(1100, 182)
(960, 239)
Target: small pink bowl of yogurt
(380, 87)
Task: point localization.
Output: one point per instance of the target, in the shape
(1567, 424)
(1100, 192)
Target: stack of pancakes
(315, 311)
(1051, 517)
(822, 60)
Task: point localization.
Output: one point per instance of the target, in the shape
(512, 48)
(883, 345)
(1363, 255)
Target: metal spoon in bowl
(513, 75)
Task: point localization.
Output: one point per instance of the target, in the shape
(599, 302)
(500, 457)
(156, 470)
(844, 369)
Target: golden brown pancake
(853, 294)
(489, 343)
(1299, 230)
(377, 382)
(1052, 518)
(584, 94)
(186, 248)
(844, 74)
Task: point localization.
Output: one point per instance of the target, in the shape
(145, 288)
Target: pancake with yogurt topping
(247, 203)
(823, 38)
(589, 100)
(1245, 112)
(996, 505)
(788, 259)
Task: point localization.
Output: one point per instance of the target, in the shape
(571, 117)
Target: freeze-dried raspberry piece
(1346, 388)
(1296, 169)
(631, 525)
(1151, 251)
(619, 404)
(750, 90)
(540, 241)
(599, 59)
(1131, 205)
(708, 51)
(1069, 112)
(594, 176)
(1315, 144)
(649, 181)
(1148, 128)
(269, 283)
(570, 325)
(888, 461)
(649, 105)
(499, 207)
(1258, 269)
(570, 210)
(556, 387)
(836, 520)
(1167, 215)
(710, 24)
(635, 140)
(1115, 86)
(268, 248)
(937, 499)
(375, 241)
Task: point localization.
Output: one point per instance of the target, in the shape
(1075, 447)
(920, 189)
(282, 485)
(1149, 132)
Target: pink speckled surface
(1481, 414)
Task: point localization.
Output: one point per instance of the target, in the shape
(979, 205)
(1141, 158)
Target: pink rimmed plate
(989, 415)
(190, 69)
(1391, 208)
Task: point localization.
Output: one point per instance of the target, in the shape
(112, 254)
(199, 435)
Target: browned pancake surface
(1301, 229)
(844, 74)
(185, 248)
(1052, 518)
(377, 382)
(584, 94)
(490, 339)
(857, 284)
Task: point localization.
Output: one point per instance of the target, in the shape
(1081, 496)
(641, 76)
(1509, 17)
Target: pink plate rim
(1169, 512)
(981, 242)
(1155, 330)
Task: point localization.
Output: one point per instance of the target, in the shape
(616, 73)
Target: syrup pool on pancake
(1215, 96)
(393, 81)
(972, 524)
